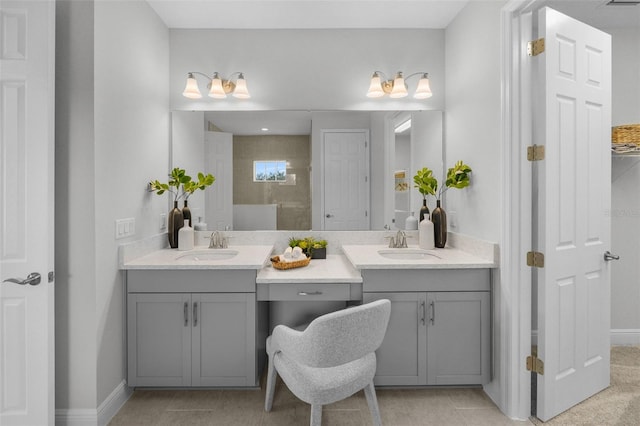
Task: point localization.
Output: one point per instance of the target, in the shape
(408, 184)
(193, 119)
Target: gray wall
(112, 137)
(625, 193)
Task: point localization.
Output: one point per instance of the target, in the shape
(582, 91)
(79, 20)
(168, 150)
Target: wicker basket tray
(628, 133)
(276, 263)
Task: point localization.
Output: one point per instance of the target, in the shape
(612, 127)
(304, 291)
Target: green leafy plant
(307, 244)
(425, 182)
(458, 177)
(178, 178)
(192, 186)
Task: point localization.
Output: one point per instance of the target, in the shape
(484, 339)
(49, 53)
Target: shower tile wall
(294, 201)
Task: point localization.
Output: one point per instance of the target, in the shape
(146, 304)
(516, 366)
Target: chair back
(344, 336)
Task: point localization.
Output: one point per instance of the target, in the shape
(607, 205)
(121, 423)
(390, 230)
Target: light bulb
(217, 91)
(241, 91)
(399, 88)
(375, 88)
(423, 91)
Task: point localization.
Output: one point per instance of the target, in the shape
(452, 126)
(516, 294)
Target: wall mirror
(228, 143)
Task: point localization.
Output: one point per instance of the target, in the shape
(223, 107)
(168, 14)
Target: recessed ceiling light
(264, 129)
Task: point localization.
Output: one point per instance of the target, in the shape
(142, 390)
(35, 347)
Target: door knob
(32, 279)
(609, 257)
(328, 215)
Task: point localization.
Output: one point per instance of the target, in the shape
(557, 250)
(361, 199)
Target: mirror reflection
(342, 168)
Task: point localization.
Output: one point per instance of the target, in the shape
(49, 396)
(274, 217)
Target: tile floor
(398, 407)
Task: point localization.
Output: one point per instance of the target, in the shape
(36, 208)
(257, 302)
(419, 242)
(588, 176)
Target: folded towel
(283, 259)
(297, 253)
(288, 253)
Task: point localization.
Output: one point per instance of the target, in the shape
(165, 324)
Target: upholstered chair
(333, 358)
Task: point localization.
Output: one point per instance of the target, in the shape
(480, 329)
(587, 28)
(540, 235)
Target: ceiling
(333, 14)
(307, 14)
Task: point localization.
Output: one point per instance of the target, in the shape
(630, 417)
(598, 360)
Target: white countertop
(333, 269)
(248, 257)
(367, 256)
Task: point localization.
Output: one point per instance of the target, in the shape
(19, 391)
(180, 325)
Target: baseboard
(114, 402)
(76, 417)
(100, 417)
(625, 336)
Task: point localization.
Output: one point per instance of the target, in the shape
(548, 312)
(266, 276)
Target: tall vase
(175, 222)
(424, 210)
(186, 214)
(439, 219)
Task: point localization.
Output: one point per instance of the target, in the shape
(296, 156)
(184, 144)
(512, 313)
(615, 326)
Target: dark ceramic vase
(174, 223)
(424, 210)
(439, 219)
(186, 214)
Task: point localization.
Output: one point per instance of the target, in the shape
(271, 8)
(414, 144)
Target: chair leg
(372, 401)
(316, 415)
(271, 385)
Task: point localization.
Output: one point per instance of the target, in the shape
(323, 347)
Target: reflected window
(270, 171)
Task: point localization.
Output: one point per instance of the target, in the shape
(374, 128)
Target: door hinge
(534, 363)
(535, 258)
(535, 152)
(535, 47)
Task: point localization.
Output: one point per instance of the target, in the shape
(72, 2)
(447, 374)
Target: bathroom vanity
(201, 318)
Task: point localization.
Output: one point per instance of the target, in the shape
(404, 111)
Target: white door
(218, 151)
(346, 180)
(574, 121)
(26, 212)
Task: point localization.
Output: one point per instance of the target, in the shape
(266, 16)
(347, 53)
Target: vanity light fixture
(218, 87)
(397, 87)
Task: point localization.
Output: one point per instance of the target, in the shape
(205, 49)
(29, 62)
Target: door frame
(514, 307)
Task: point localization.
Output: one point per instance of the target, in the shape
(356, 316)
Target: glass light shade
(241, 91)
(191, 90)
(375, 88)
(399, 89)
(423, 91)
(217, 91)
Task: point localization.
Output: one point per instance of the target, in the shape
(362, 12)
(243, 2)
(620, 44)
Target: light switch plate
(163, 221)
(125, 227)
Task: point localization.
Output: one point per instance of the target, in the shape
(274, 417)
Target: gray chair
(333, 358)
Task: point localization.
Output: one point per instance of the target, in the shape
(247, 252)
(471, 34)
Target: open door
(27, 385)
(572, 92)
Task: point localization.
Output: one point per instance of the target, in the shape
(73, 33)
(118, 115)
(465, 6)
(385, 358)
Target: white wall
(472, 117)
(625, 196)
(113, 137)
(76, 345)
(472, 133)
(307, 69)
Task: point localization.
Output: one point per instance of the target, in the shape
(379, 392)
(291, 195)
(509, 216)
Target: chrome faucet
(400, 240)
(217, 240)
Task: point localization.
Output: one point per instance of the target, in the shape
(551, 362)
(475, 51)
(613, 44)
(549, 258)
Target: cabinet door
(159, 339)
(402, 355)
(224, 339)
(458, 328)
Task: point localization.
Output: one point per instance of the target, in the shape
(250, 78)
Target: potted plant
(427, 185)
(191, 186)
(315, 249)
(458, 176)
(178, 179)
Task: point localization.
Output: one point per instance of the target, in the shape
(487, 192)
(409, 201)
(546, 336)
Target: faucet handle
(392, 241)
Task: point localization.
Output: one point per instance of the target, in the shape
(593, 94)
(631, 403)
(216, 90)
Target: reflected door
(346, 180)
(218, 151)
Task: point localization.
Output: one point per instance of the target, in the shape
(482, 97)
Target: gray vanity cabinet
(191, 337)
(437, 336)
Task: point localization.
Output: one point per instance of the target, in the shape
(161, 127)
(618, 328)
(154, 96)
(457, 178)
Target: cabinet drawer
(325, 291)
(192, 281)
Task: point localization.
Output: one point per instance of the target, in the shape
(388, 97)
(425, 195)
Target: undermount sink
(407, 254)
(208, 255)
